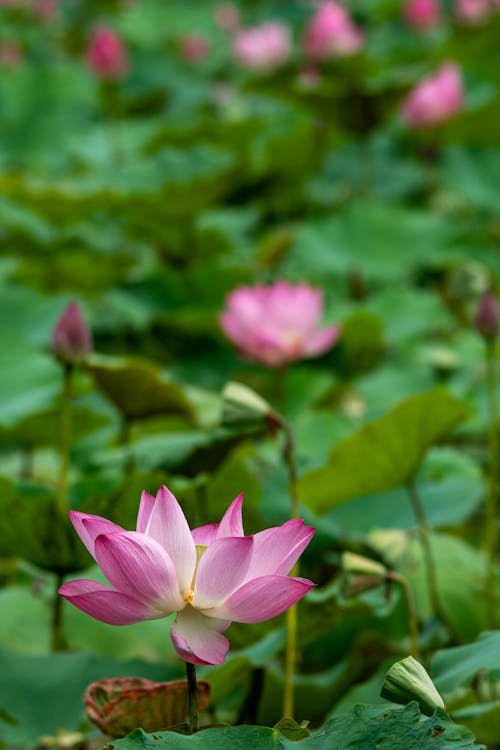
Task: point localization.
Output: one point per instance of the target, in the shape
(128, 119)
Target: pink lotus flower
(472, 12)
(11, 53)
(278, 323)
(71, 338)
(487, 317)
(227, 16)
(194, 47)
(262, 47)
(210, 576)
(435, 99)
(422, 14)
(106, 55)
(332, 33)
(46, 10)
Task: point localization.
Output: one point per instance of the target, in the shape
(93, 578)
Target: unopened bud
(71, 338)
(241, 405)
(487, 317)
(408, 681)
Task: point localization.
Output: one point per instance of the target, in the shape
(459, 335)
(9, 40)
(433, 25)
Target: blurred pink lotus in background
(332, 33)
(277, 324)
(487, 317)
(422, 14)
(194, 47)
(46, 10)
(262, 47)
(209, 577)
(435, 99)
(227, 16)
(71, 337)
(472, 12)
(11, 53)
(106, 55)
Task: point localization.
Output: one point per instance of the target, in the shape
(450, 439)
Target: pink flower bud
(278, 323)
(435, 99)
(71, 337)
(106, 55)
(332, 33)
(227, 16)
(487, 317)
(262, 47)
(422, 14)
(472, 12)
(194, 47)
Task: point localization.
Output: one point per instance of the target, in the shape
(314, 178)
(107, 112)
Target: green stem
(66, 399)
(57, 630)
(490, 532)
(192, 697)
(289, 457)
(425, 540)
(411, 614)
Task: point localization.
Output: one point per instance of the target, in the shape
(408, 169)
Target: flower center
(189, 597)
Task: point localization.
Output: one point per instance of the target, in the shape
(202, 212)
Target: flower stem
(289, 457)
(425, 540)
(66, 398)
(58, 639)
(411, 614)
(490, 532)
(192, 697)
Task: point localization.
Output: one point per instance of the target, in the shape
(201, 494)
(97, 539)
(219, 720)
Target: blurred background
(156, 155)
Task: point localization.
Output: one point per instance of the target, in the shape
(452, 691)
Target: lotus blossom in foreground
(435, 99)
(209, 576)
(278, 323)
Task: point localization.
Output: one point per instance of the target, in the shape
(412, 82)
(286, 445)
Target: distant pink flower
(194, 47)
(227, 16)
(46, 10)
(71, 337)
(332, 33)
(209, 576)
(11, 53)
(487, 317)
(106, 54)
(435, 99)
(422, 14)
(262, 47)
(472, 12)
(277, 324)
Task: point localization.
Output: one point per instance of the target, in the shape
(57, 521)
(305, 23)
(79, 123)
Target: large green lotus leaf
(29, 381)
(385, 453)
(474, 176)
(35, 530)
(44, 428)
(138, 388)
(452, 667)
(364, 728)
(379, 240)
(42, 694)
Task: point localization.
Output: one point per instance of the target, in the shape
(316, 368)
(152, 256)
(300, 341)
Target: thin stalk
(425, 540)
(192, 697)
(411, 614)
(289, 457)
(58, 641)
(490, 532)
(66, 399)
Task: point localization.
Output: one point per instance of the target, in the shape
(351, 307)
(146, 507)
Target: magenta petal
(262, 598)
(137, 565)
(222, 568)
(321, 341)
(231, 523)
(145, 509)
(277, 550)
(88, 527)
(197, 639)
(205, 535)
(167, 524)
(106, 605)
